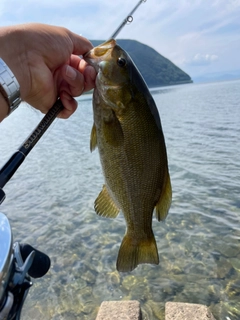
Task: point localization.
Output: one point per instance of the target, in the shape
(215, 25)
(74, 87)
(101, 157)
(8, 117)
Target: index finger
(89, 75)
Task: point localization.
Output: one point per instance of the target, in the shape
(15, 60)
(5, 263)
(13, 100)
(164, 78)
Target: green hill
(156, 69)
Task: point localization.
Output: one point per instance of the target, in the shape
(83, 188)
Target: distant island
(155, 69)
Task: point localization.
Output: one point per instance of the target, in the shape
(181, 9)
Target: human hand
(45, 60)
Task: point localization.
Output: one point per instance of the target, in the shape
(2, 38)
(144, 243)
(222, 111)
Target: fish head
(111, 63)
(119, 83)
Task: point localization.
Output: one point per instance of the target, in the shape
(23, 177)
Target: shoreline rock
(119, 310)
(131, 310)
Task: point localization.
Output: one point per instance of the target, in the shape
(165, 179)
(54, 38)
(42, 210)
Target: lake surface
(50, 206)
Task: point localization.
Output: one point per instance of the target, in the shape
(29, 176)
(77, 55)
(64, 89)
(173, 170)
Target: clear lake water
(50, 206)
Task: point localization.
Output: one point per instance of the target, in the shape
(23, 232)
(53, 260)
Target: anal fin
(105, 206)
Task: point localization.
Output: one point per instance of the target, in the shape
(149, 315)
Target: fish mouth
(99, 53)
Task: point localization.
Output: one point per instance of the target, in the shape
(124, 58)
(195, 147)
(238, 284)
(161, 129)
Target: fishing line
(18, 157)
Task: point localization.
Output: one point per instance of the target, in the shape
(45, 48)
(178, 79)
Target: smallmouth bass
(128, 133)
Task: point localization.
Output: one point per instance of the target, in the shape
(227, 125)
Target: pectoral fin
(105, 206)
(112, 131)
(93, 139)
(165, 199)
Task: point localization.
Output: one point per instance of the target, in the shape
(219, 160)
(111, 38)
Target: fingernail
(71, 73)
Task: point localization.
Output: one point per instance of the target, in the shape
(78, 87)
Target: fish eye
(121, 62)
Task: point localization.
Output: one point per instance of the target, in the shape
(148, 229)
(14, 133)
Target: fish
(128, 134)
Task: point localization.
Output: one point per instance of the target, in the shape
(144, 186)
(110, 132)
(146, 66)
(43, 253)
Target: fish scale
(128, 133)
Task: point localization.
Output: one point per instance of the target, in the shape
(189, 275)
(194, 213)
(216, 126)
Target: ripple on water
(50, 205)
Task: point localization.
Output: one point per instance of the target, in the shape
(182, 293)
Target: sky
(200, 36)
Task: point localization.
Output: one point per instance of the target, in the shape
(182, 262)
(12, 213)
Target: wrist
(9, 87)
(13, 53)
(4, 108)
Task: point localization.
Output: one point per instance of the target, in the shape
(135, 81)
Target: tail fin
(133, 252)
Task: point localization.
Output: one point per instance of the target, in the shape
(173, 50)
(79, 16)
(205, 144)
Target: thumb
(81, 45)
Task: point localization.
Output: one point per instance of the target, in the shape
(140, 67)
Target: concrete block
(119, 310)
(187, 311)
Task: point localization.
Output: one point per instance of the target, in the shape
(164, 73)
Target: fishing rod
(18, 157)
(128, 19)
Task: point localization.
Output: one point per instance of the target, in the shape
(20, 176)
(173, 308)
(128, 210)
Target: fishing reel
(18, 263)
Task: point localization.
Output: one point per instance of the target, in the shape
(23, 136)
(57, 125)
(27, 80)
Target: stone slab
(119, 310)
(187, 311)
